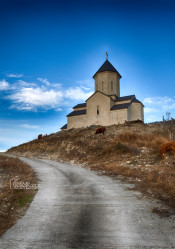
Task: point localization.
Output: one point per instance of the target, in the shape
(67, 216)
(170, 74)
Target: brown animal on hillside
(40, 136)
(100, 130)
(170, 146)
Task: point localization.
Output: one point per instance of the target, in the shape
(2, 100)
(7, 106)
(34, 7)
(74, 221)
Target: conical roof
(107, 66)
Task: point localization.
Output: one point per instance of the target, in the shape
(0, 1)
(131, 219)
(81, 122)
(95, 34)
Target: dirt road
(76, 208)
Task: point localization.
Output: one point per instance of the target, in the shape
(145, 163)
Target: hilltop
(127, 151)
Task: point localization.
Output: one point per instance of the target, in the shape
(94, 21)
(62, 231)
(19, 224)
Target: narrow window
(111, 86)
(117, 86)
(97, 109)
(102, 86)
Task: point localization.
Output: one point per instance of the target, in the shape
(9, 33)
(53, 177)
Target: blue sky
(50, 50)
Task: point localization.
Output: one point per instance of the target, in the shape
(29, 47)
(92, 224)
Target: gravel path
(76, 208)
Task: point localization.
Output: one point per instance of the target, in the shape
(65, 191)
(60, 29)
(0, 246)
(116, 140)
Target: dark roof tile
(129, 97)
(64, 127)
(75, 113)
(107, 66)
(136, 101)
(122, 106)
(80, 105)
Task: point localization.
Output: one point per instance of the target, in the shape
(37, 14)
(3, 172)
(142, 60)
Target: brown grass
(14, 202)
(152, 141)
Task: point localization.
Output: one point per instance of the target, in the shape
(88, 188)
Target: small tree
(168, 123)
(168, 116)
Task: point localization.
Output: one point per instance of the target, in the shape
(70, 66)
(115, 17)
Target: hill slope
(129, 150)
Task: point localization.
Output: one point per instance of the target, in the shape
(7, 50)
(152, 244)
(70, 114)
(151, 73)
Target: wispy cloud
(14, 75)
(28, 126)
(77, 93)
(86, 83)
(85, 88)
(45, 81)
(4, 85)
(24, 83)
(58, 109)
(57, 85)
(159, 100)
(150, 110)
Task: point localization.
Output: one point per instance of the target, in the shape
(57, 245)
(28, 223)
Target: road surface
(76, 208)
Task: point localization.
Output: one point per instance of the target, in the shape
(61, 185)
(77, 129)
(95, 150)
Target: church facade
(105, 107)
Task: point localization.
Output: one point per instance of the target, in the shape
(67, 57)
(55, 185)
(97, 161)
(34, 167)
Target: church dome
(107, 66)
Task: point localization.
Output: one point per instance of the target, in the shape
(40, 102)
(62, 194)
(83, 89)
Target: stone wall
(118, 116)
(76, 121)
(129, 114)
(137, 111)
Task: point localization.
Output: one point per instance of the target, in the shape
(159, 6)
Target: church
(105, 107)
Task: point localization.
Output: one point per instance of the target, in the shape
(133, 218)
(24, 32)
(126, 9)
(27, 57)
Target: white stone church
(105, 107)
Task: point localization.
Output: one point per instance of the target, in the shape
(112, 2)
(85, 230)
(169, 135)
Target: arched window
(96, 86)
(111, 86)
(117, 86)
(102, 87)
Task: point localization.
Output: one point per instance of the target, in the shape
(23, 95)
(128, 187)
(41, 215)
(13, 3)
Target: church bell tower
(107, 79)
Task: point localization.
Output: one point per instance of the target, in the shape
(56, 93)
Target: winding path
(76, 208)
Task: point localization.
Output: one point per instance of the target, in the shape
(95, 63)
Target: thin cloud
(57, 85)
(28, 126)
(14, 75)
(4, 85)
(158, 100)
(150, 110)
(59, 109)
(77, 94)
(169, 107)
(22, 107)
(86, 83)
(45, 81)
(24, 83)
(85, 88)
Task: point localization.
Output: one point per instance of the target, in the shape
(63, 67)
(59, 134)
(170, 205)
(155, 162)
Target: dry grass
(152, 141)
(14, 202)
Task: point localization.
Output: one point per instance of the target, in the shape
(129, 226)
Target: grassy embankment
(14, 202)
